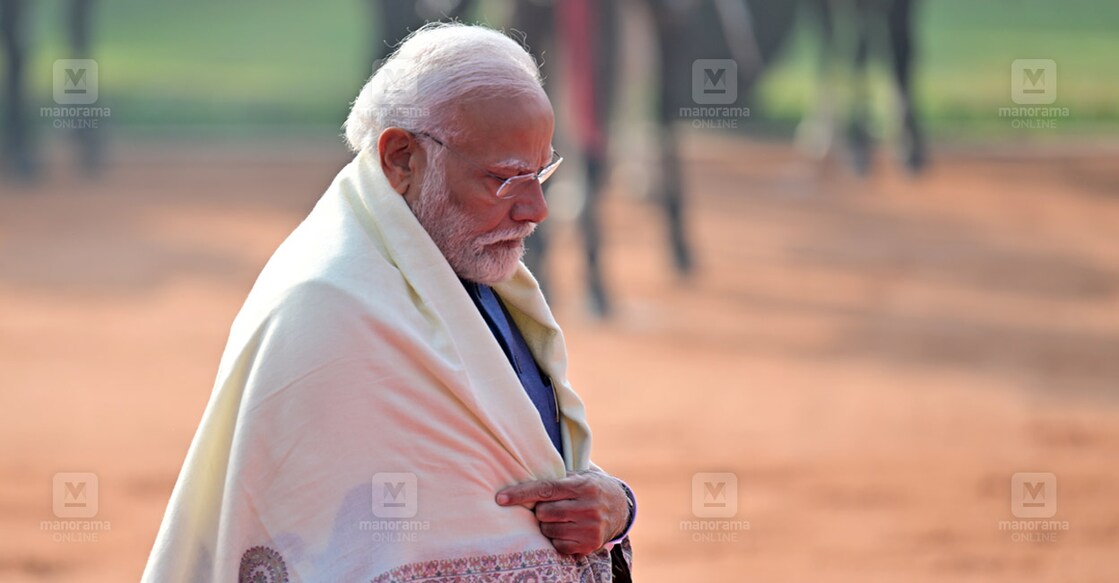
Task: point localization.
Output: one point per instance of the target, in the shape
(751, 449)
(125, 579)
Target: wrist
(626, 524)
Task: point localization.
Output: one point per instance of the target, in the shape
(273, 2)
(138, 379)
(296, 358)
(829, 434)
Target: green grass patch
(253, 63)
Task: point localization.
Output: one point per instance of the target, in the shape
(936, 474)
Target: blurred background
(846, 269)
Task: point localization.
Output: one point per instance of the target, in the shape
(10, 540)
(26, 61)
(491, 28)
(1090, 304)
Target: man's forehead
(521, 151)
(510, 132)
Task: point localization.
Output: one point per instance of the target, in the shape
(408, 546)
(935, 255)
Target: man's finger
(558, 531)
(558, 511)
(532, 492)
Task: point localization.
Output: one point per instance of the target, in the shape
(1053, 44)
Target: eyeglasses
(512, 186)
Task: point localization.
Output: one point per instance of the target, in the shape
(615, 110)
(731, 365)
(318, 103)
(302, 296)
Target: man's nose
(530, 204)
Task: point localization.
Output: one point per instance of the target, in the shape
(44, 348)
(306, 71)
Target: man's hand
(579, 513)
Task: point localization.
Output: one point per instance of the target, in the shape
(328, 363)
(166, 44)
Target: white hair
(437, 65)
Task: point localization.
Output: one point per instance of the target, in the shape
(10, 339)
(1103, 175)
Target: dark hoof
(682, 259)
(598, 302)
(859, 147)
(913, 157)
(22, 169)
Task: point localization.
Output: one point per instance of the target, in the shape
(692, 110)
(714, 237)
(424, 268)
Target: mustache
(519, 233)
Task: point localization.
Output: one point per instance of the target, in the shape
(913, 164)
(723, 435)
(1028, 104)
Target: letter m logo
(714, 495)
(75, 495)
(395, 492)
(714, 81)
(1033, 491)
(1033, 81)
(395, 495)
(1033, 495)
(75, 81)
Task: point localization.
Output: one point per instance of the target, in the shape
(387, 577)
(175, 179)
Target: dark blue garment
(535, 382)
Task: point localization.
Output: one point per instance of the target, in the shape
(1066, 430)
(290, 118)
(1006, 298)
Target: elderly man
(393, 403)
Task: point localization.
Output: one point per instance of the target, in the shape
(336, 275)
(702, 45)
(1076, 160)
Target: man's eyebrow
(515, 165)
(520, 165)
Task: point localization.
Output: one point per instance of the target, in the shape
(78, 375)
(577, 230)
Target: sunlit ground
(873, 360)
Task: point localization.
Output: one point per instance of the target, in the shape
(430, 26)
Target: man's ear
(398, 154)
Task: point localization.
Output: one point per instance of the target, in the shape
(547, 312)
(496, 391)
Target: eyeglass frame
(540, 176)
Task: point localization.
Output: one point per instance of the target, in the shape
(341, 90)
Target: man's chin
(501, 261)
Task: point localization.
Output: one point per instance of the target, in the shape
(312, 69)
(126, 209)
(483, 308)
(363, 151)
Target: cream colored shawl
(364, 417)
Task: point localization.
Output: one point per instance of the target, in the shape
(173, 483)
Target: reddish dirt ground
(873, 359)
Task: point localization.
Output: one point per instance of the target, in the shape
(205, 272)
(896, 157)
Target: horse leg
(607, 27)
(590, 229)
(674, 201)
(816, 133)
(441, 10)
(537, 22)
(588, 31)
(17, 139)
(858, 129)
(395, 19)
(900, 26)
(79, 26)
(670, 33)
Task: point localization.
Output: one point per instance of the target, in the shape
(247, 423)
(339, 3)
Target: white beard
(470, 254)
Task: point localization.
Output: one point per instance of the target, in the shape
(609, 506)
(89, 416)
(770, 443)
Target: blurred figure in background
(79, 27)
(584, 36)
(886, 24)
(588, 37)
(587, 34)
(20, 158)
(396, 18)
